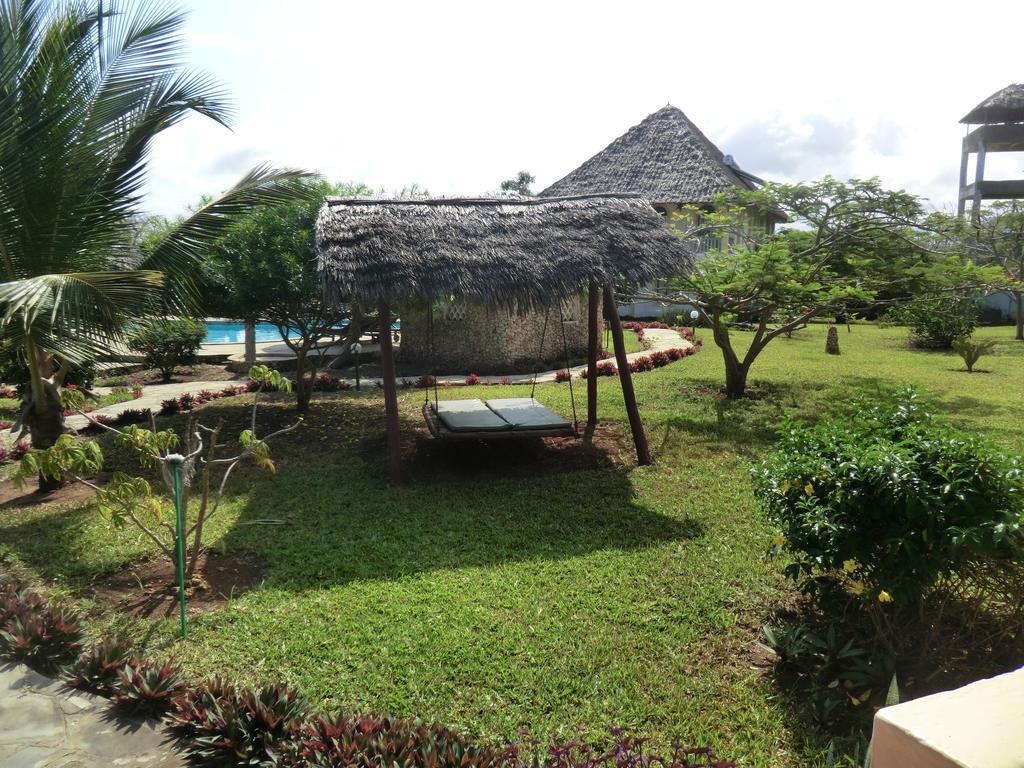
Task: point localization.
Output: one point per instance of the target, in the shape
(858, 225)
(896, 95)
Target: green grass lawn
(547, 600)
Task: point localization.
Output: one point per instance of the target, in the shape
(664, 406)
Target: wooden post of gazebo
(593, 341)
(387, 363)
(643, 453)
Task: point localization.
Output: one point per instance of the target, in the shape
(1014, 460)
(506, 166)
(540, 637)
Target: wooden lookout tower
(1000, 121)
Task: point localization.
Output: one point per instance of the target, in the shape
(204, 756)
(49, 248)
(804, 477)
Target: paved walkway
(153, 395)
(42, 725)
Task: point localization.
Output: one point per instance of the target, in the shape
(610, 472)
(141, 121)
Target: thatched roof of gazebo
(665, 158)
(1005, 106)
(524, 251)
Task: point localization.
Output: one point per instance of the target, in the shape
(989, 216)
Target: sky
(457, 96)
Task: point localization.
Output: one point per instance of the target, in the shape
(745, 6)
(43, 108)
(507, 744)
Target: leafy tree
(168, 343)
(861, 246)
(83, 94)
(267, 265)
(520, 185)
(998, 238)
(936, 322)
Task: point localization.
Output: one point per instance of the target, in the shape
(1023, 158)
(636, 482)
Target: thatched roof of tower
(1005, 106)
(512, 251)
(665, 158)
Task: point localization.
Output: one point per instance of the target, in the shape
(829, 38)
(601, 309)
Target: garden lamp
(356, 349)
(694, 314)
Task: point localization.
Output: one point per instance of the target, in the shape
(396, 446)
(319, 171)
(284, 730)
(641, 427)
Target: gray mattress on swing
(520, 414)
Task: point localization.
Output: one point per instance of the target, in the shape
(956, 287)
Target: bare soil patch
(429, 459)
(29, 495)
(148, 588)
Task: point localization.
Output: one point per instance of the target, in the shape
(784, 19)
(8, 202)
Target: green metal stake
(176, 460)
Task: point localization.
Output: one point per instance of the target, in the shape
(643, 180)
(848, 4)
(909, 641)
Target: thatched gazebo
(511, 253)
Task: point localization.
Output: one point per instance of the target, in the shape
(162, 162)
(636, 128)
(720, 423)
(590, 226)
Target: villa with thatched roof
(670, 162)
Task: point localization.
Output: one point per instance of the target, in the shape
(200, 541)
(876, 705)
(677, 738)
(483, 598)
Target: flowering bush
(641, 364)
(15, 453)
(563, 375)
(471, 380)
(637, 325)
(891, 500)
(130, 416)
(506, 380)
(189, 400)
(327, 383)
(7, 392)
(660, 359)
(603, 369)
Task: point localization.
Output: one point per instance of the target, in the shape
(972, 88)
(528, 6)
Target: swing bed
(500, 418)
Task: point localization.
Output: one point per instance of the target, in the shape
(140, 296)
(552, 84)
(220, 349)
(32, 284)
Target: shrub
(471, 380)
(131, 416)
(20, 449)
(603, 369)
(640, 364)
(166, 344)
(426, 380)
(9, 393)
(44, 637)
(327, 383)
(892, 499)
(98, 667)
(660, 359)
(676, 353)
(604, 354)
(506, 380)
(370, 740)
(840, 677)
(147, 688)
(563, 375)
(106, 421)
(935, 323)
(226, 726)
(971, 350)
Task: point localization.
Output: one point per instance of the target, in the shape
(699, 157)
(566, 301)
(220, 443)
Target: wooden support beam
(593, 342)
(961, 201)
(979, 176)
(643, 453)
(387, 362)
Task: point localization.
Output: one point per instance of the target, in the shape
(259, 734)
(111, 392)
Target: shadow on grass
(337, 518)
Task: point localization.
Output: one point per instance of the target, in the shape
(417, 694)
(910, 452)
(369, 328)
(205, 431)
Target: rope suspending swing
(497, 418)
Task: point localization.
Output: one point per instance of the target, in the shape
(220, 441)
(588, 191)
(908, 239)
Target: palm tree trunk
(250, 343)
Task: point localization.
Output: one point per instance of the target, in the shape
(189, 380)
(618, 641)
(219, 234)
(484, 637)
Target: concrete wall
(474, 337)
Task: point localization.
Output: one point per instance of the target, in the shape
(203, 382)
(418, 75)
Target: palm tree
(83, 94)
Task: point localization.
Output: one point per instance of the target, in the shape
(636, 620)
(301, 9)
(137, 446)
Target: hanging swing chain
(540, 352)
(565, 351)
(431, 368)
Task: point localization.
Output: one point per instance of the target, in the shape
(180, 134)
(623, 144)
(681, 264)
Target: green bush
(892, 499)
(166, 344)
(935, 323)
(971, 350)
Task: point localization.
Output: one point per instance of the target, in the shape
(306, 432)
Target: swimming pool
(229, 332)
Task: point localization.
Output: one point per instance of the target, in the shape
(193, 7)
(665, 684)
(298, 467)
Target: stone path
(43, 725)
(154, 394)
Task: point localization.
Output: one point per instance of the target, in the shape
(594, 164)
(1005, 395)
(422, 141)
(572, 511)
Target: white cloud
(459, 95)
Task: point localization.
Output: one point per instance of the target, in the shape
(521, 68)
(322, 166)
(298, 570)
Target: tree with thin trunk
(267, 266)
(856, 246)
(83, 94)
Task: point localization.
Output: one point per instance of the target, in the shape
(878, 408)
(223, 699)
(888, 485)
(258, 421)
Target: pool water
(227, 332)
